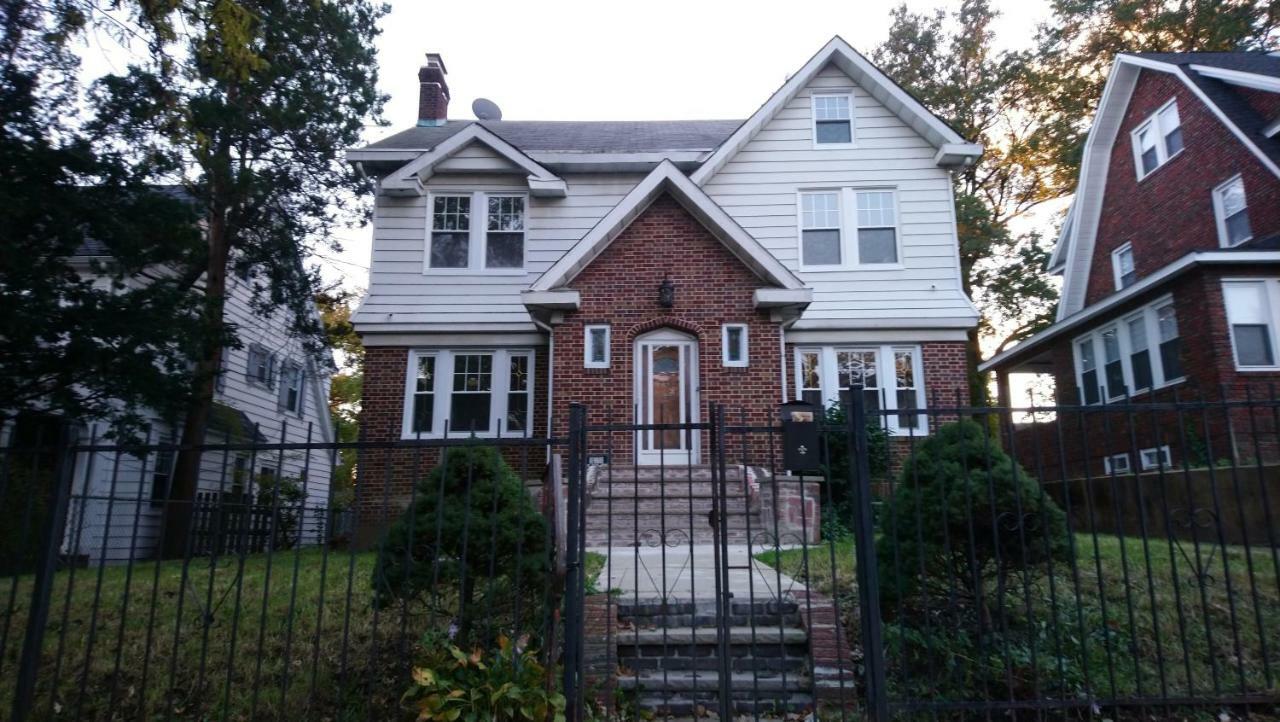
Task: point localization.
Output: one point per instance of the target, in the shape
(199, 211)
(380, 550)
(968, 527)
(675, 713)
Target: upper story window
(1231, 209)
(467, 392)
(459, 241)
(595, 347)
(832, 119)
(733, 344)
(1250, 314)
(871, 238)
(1122, 266)
(1157, 139)
(261, 367)
(1128, 364)
(291, 388)
(888, 377)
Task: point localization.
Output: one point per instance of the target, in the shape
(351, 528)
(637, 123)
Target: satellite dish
(486, 109)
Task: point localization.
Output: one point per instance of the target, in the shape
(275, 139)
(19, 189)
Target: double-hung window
(1141, 352)
(291, 388)
(1250, 315)
(481, 392)
(1157, 139)
(845, 227)
(1122, 266)
(162, 474)
(888, 377)
(476, 231)
(832, 119)
(1231, 209)
(261, 366)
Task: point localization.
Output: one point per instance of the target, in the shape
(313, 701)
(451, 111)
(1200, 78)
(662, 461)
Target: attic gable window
(833, 119)
(1231, 208)
(1157, 139)
(460, 242)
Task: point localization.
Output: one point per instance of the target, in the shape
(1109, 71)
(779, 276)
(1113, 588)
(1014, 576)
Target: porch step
(636, 504)
(672, 507)
(671, 489)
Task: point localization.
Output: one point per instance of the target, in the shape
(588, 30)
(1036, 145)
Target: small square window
(596, 347)
(833, 119)
(1116, 464)
(734, 341)
(1155, 458)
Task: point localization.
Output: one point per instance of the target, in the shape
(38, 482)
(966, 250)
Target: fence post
(46, 566)
(573, 601)
(868, 573)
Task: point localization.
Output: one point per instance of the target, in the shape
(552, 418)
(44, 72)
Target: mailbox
(800, 436)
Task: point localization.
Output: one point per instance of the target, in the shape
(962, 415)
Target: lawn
(325, 651)
(1120, 626)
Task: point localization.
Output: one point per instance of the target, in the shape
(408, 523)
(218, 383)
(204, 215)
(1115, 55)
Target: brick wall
(620, 288)
(1170, 212)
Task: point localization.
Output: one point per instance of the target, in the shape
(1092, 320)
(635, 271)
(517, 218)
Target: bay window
(1119, 360)
(459, 241)
(888, 377)
(481, 392)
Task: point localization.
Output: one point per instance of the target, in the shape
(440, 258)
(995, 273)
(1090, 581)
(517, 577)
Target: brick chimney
(433, 92)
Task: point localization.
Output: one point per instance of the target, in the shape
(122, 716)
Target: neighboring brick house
(649, 268)
(1170, 258)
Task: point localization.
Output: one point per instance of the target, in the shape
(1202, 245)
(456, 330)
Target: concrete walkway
(689, 573)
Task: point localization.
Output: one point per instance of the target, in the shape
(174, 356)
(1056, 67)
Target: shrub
(504, 685)
(837, 510)
(964, 516)
(472, 543)
(285, 497)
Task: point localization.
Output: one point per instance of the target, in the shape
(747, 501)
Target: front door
(667, 393)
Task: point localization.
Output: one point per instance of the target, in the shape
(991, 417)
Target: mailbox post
(800, 443)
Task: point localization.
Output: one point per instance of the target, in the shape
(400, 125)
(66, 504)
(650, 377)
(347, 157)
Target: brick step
(740, 682)
(627, 489)
(794, 663)
(699, 507)
(623, 539)
(644, 606)
(667, 473)
(672, 637)
(709, 620)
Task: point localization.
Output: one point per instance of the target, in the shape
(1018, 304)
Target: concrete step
(671, 505)
(794, 663)
(743, 635)
(702, 706)
(666, 473)
(743, 682)
(628, 489)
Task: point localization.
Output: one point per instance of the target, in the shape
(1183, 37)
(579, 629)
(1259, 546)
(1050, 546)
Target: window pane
(734, 343)
(1127, 279)
(877, 245)
(472, 372)
(451, 213)
(857, 369)
(1167, 321)
(505, 214)
(519, 374)
(820, 210)
(1173, 141)
(1089, 384)
(449, 250)
(875, 209)
(835, 131)
(904, 369)
(812, 397)
(907, 401)
(425, 381)
(1232, 197)
(517, 413)
(599, 345)
(1110, 345)
(423, 413)
(1149, 161)
(1115, 380)
(504, 250)
(831, 107)
(1087, 361)
(1171, 359)
(1238, 228)
(469, 412)
(821, 248)
(1253, 345)
(1171, 128)
(1141, 363)
(809, 374)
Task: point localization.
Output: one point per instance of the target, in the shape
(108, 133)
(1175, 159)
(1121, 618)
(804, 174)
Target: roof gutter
(1168, 273)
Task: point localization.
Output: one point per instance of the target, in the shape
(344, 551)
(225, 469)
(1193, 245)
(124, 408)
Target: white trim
(1116, 270)
(1220, 214)
(1240, 77)
(744, 352)
(1148, 316)
(1163, 156)
(478, 234)
(455, 339)
(1164, 460)
(667, 178)
(1272, 128)
(1170, 271)
(829, 379)
(1110, 467)
(442, 391)
(409, 178)
(813, 118)
(1271, 306)
(690, 397)
(782, 297)
(874, 336)
(849, 229)
(587, 361)
(867, 76)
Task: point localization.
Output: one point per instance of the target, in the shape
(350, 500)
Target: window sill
(834, 146)
(474, 272)
(1237, 244)
(1258, 369)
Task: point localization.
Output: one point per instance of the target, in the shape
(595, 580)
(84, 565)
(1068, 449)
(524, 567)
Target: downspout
(551, 375)
(782, 353)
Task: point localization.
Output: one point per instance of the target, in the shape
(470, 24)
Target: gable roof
(1074, 253)
(408, 178)
(837, 52)
(631, 136)
(667, 178)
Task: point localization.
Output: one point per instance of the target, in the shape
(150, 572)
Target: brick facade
(1169, 213)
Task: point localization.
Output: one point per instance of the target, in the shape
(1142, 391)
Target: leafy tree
(345, 387)
(255, 101)
(471, 541)
(95, 325)
(951, 65)
(1078, 45)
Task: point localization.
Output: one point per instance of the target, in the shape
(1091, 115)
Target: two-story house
(1170, 253)
(646, 268)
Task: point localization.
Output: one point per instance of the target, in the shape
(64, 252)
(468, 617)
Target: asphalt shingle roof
(609, 136)
(1243, 61)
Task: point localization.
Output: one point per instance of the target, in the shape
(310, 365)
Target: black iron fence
(951, 562)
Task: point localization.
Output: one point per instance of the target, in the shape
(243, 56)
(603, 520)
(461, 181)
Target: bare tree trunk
(186, 475)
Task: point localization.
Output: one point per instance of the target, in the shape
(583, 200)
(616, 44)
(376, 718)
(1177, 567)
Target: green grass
(1191, 633)
(353, 636)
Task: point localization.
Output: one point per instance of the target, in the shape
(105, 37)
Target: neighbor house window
(1088, 369)
(888, 377)
(1113, 364)
(1155, 458)
(1170, 342)
(466, 392)
(162, 474)
(1122, 265)
(1231, 209)
(1139, 353)
(877, 227)
(494, 243)
(832, 119)
(1116, 464)
(1249, 312)
(1157, 139)
(261, 366)
(291, 388)
(733, 341)
(820, 243)
(596, 347)
(1129, 361)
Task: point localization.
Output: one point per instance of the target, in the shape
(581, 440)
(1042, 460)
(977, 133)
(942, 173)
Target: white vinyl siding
(890, 378)
(761, 188)
(1140, 352)
(1157, 139)
(465, 392)
(1251, 313)
(1231, 210)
